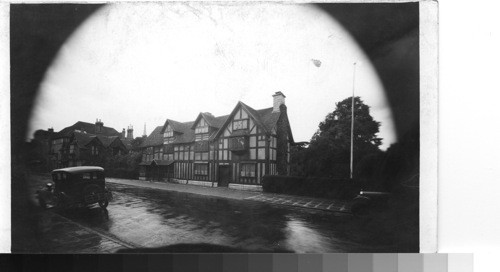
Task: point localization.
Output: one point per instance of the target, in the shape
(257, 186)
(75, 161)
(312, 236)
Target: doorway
(224, 175)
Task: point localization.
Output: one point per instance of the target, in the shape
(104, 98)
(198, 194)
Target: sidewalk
(275, 199)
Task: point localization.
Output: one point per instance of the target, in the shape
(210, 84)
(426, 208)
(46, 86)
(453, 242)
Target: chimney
(123, 133)
(51, 130)
(278, 100)
(98, 126)
(130, 132)
(144, 134)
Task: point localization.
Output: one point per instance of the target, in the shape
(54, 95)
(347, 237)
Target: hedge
(311, 186)
(122, 173)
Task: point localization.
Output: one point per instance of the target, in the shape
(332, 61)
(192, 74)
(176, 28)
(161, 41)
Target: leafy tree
(329, 151)
(136, 143)
(123, 166)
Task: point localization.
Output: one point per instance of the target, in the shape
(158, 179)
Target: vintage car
(75, 187)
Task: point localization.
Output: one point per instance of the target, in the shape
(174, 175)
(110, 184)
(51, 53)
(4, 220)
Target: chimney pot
(278, 100)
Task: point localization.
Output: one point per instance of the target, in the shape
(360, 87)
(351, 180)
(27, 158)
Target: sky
(136, 64)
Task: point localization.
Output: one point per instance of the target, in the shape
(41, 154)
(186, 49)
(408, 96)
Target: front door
(224, 175)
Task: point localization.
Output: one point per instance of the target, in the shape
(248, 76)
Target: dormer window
(201, 131)
(168, 135)
(240, 120)
(240, 124)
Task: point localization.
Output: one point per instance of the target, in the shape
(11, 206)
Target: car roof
(80, 169)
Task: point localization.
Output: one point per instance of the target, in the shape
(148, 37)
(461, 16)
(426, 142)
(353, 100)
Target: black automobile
(75, 187)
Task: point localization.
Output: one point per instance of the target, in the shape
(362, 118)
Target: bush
(311, 186)
(122, 173)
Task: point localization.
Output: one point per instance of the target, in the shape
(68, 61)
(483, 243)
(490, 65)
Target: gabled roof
(42, 134)
(83, 139)
(176, 126)
(155, 138)
(187, 135)
(255, 114)
(269, 118)
(264, 118)
(85, 127)
(107, 141)
(211, 120)
(127, 143)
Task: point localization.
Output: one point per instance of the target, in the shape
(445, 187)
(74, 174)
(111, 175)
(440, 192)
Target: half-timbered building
(86, 144)
(234, 150)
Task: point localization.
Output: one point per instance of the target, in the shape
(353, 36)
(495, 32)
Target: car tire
(103, 204)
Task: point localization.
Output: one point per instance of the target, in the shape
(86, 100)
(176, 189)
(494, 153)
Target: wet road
(153, 218)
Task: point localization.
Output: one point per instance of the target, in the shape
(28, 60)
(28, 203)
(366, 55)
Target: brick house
(86, 144)
(234, 150)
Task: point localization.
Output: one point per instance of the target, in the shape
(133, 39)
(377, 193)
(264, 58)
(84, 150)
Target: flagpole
(352, 117)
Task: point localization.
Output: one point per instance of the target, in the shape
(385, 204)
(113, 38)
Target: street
(145, 217)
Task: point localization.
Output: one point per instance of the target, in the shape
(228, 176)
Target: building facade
(85, 144)
(234, 150)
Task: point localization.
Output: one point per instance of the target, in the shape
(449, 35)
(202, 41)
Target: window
(202, 127)
(201, 169)
(261, 154)
(201, 137)
(71, 149)
(240, 124)
(238, 143)
(86, 176)
(168, 149)
(95, 150)
(199, 130)
(201, 156)
(201, 146)
(247, 170)
(253, 142)
(168, 133)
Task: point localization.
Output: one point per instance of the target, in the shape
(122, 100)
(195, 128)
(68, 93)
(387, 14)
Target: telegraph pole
(352, 117)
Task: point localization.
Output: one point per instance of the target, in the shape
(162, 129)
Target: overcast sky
(131, 64)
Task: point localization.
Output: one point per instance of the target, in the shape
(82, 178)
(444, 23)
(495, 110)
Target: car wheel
(103, 204)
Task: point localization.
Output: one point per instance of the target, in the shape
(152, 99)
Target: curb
(250, 198)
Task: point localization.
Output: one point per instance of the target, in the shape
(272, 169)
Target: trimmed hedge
(311, 186)
(122, 173)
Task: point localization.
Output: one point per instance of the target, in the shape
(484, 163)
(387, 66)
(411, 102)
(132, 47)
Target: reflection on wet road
(153, 218)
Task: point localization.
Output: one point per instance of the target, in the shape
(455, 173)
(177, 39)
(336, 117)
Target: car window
(86, 176)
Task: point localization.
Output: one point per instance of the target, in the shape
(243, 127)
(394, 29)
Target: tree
(136, 143)
(329, 151)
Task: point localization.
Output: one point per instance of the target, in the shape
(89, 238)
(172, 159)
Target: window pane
(261, 155)
(253, 154)
(253, 141)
